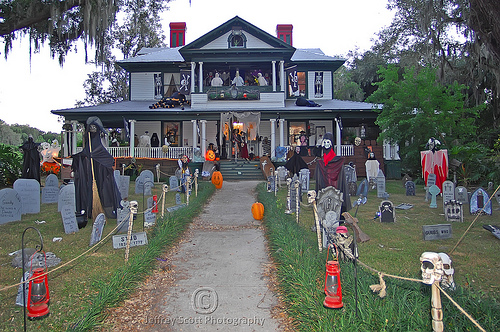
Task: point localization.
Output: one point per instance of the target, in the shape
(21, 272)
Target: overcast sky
(30, 90)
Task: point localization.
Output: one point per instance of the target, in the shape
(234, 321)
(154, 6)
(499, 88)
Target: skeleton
(344, 242)
(326, 144)
(447, 279)
(432, 273)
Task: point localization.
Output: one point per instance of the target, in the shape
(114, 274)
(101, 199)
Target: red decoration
(38, 294)
(333, 289)
(155, 204)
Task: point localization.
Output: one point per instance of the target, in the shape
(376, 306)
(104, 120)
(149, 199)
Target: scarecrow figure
(93, 173)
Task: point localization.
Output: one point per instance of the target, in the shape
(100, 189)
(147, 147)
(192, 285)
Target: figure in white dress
(238, 80)
(262, 81)
(217, 81)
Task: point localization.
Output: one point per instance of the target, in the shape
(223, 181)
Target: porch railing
(176, 152)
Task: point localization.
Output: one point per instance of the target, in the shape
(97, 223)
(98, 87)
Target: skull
(432, 267)
(326, 143)
(311, 196)
(449, 271)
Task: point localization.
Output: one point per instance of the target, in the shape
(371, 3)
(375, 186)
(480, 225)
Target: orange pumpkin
(210, 155)
(217, 179)
(258, 210)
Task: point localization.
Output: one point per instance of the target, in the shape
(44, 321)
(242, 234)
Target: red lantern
(333, 289)
(38, 294)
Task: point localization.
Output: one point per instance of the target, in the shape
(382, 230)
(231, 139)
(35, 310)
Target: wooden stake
(436, 309)
(133, 209)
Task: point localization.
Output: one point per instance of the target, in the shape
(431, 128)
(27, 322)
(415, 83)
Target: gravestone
(149, 218)
(380, 184)
(363, 188)
(270, 183)
(148, 174)
(123, 217)
(144, 182)
(387, 212)
(405, 179)
(461, 195)
(69, 219)
(453, 211)
(292, 202)
(353, 188)
(178, 200)
(176, 207)
(448, 191)
(173, 182)
(10, 205)
(136, 239)
(350, 173)
(479, 202)
(329, 205)
(29, 191)
(50, 193)
(148, 184)
(434, 191)
(66, 197)
(431, 180)
(436, 232)
(410, 188)
(304, 175)
(123, 185)
(282, 173)
(97, 228)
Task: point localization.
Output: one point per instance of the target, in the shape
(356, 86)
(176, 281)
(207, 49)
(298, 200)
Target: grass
(97, 280)
(393, 248)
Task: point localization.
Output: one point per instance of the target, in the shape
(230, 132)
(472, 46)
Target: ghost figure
(449, 271)
(432, 267)
(432, 144)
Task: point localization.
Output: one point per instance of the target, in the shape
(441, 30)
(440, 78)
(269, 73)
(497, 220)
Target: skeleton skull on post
(447, 280)
(432, 267)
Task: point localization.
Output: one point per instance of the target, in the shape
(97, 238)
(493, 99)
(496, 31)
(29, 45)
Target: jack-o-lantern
(217, 179)
(210, 155)
(258, 210)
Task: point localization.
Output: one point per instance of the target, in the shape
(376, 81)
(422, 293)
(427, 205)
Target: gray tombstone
(380, 184)
(29, 191)
(173, 183)
(271, 183)
(123, 185)
(123, 217)
(410, 188)
(363, 188)
(431, 179)
(461, 195)
(139, 185)
(453, 211)
(149, 218)
(282, 173)
(51, 181)
(97, 228)
(178, 200)
(69, 219)
(66, 197)
(50, 193)
(329, 205)
(479, 202)
(350, 173)
(437, 232)
(10, 205)
(387, 212)
(150, 202)
(304, 175)
(448, 191)
(434, 191)
(405, 179)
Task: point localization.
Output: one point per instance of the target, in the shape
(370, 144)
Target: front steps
(241, 170)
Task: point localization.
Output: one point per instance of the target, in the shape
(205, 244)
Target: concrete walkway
(219, 272)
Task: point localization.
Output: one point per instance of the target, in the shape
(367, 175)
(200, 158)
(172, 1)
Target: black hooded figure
(330, 172)
(155, 141)
(103, 172)
(31, 160)
(296, 163)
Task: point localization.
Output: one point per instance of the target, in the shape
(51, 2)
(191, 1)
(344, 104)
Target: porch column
(338, 137)
(282, 136)
(74, 125)
(193, 66)
(194, 134)
(132, 141)
(200, 77)
(203, 137)
(273, 63)
(282, 75)
(273, 138)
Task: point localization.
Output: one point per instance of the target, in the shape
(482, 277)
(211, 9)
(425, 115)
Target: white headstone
(149, 218)
(304, 175)
(173, 183)
(461, 195)
(69, 219)
(448, 191)
(97, 228)
(380, 184)
(123, 217)
(10, 205)
(29, 191)
(50, 193)
(51, 181)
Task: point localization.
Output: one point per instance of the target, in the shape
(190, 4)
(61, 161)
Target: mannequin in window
(217, 81)
(238, 80)
(262, 81)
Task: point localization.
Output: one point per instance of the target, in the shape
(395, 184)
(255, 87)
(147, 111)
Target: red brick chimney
(284, 32)
(177, 34)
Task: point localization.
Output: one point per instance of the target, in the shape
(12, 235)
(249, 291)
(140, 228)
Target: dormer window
(237, 39)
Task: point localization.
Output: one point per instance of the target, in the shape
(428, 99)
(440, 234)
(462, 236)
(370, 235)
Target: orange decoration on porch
(258, 210)
(217, 179)
(210, 155)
